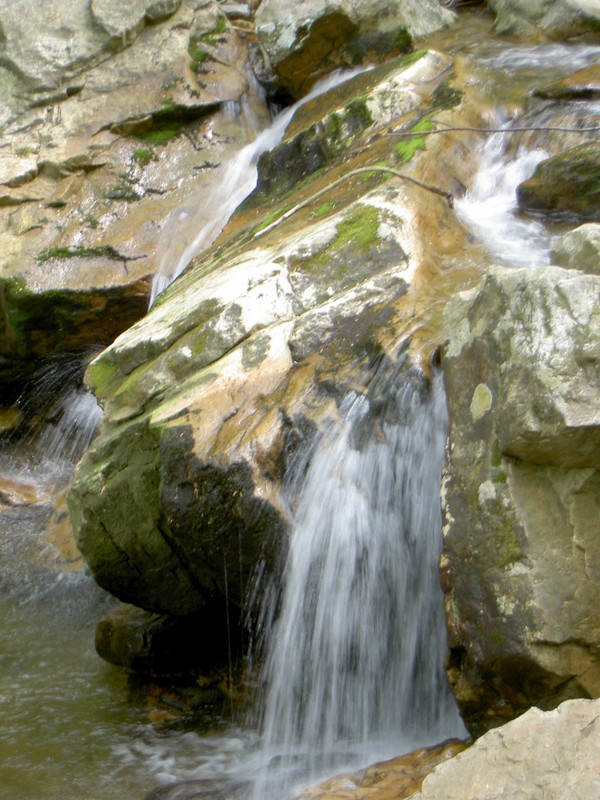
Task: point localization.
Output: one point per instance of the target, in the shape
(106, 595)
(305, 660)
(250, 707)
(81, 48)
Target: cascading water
(489, 209)
(211, 214)
(355, 656)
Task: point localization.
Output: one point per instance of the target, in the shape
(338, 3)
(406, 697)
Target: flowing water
(350, 676)
(355, 656)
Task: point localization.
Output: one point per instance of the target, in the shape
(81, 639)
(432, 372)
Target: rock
(566, 185)
(161, 645)
(243, 357)
(521, 557)
(388, 780)
(541, 756)
(579, 249)
(559, 19)
(581, 85)
(306, 41)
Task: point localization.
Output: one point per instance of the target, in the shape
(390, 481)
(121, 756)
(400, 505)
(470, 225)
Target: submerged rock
(306, 41)
(540, 756)
(396, 779)
(559, 19)
(567, 185)
(521, 487)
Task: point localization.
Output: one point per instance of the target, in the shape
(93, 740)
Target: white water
(489, 208)
(355, 658)
(203, 224)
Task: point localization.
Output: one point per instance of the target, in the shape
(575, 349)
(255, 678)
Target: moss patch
(143, 156)
(406, 148)
(102, 251)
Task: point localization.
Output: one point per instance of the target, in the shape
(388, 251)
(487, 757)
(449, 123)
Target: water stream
(350, 676)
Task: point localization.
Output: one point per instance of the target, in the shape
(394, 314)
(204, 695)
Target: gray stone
(550, 755)
(521, 561)
(306, 40)
(579, 249)
(556, 18)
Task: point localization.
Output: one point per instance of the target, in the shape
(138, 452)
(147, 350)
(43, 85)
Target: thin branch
(359, 171)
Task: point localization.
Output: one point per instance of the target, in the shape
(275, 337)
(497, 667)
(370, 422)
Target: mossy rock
(567, 185)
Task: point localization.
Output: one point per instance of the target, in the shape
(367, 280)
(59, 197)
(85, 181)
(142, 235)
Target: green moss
(270, 218)
(403, 40)
(497, 637)
(102, 251)
(406, 149)
(143, 156)
(198, 55)
(360, 228)
(215, 35)
(324, 209)
(101, 376)
(171, 84)
(358, 112)
(162, 131)
(355, 236)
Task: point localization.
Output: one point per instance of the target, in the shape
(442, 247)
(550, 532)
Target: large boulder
(304, 41)
(541, 756)
(559, 19)
(253, 347)
(521, 490)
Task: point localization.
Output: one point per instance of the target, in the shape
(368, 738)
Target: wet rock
(305, 42)
(579, 249)
(388, 780)
(566, 185)
(581, 85)
(371, 101)
(521, 555)
(559, 19)
(541, 755)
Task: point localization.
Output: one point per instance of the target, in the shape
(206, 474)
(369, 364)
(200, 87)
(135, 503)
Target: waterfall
(355, 639)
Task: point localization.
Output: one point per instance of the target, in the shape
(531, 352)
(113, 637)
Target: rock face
(206, 398)
(306, 40)
(103, 157)
(521, 492)
(541, 756)
(579, 249)
(556, 18)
